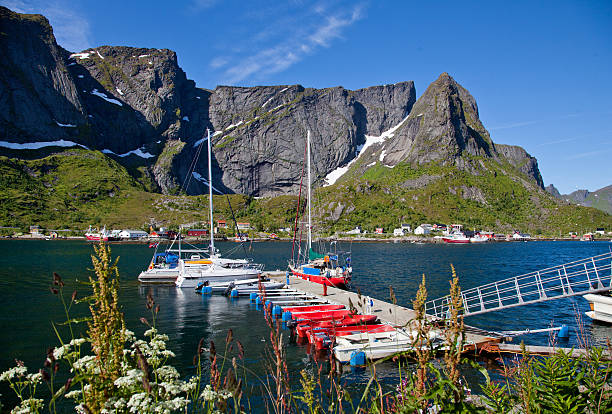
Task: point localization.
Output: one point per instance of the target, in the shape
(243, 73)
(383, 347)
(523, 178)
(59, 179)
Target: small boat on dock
(324, 338)
(242, 287)
(304, 328)
(376, 345)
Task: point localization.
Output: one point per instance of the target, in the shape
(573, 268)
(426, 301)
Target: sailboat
(320, 268)
(216, 270)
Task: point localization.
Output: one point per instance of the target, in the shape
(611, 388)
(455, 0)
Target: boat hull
(340, 282)
(213, 275)
(158, 276)
(601, 307)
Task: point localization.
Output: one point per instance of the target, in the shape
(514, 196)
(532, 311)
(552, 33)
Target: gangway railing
(590, 275)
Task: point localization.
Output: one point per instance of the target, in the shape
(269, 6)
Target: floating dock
(390, 313)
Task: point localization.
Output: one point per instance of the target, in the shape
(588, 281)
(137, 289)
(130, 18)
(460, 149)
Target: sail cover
(312, 255)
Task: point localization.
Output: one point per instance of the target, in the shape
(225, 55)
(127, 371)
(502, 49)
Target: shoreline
(395, 240)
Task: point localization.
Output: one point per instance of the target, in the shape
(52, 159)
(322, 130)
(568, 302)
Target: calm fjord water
(28, 308)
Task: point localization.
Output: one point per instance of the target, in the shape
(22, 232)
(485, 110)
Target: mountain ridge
(431, 157)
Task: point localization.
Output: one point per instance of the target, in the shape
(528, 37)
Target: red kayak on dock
(309, 308)
(322, 315)
(303, 328)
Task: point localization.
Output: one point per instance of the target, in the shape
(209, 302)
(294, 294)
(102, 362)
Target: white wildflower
(31, 405)
(129, 335)
(190, 385)
(77, 341)
(58, 353)
(18, 371)
(167, 372)
(74, 394)
(208, 394)
(132, 377)
(150, 332)
(35, 378)
(85, 363)
(80, 409)
(140, 402)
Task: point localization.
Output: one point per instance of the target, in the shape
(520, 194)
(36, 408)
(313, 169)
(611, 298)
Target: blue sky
(540, 71)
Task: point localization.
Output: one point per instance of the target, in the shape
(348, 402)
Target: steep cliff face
(37, 92)
(261, 131)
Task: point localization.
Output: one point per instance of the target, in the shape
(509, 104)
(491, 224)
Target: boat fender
(286, 316)
(564, 332)
(291, 324)
(277, 311)
(234, 293)
(357, 358)
(253, 296)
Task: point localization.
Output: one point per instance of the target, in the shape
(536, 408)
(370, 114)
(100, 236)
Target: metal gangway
(590, 275)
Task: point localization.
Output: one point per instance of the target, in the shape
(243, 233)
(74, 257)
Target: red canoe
(310, 308)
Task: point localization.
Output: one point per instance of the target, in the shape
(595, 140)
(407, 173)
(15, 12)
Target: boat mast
(309, 195)
(210, 203)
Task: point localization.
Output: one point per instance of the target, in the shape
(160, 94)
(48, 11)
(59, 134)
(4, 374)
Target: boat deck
(387, 312)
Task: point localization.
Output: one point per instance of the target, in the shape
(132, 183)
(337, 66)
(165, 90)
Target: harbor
(187, 317)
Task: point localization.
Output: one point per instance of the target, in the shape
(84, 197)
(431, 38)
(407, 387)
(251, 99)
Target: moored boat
(319, 268)
(456, 238)
(601, 307)
(215, 269)
(307, 308)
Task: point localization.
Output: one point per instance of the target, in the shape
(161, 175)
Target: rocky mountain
(600, 199)
(137, 106)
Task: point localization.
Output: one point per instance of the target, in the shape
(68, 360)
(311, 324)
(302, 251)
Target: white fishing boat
(601, 307)
(477, 238)
(375, 345)
(215, 269)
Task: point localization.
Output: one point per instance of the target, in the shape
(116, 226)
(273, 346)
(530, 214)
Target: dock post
(325, 288)
(287, 275)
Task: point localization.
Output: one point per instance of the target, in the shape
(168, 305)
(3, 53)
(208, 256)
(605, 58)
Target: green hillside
(76, 188)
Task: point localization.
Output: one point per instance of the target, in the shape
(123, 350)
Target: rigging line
(297, 210)
(194, 161)
(236, 224)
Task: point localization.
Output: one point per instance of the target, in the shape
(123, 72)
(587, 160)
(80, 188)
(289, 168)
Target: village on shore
(423, 233)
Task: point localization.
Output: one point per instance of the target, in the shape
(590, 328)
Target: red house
(197, 232)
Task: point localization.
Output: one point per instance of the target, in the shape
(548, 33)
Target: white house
(520, 236)
(422, 229)
(133, 234)
(398, 232)
(356, 230)
(406, 228)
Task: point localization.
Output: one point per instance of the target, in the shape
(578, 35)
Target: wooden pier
(393, 314)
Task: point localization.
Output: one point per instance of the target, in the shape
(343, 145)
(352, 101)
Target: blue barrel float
(277, 311)
(563, 332)
(234, 293)
(253, 296)
(357, 359)
(286, 316)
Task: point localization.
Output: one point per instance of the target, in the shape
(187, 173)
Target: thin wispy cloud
(559, 141)
(589, 154)
(514, 125)
(199, 5)
(71, 29)
(285, 40)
